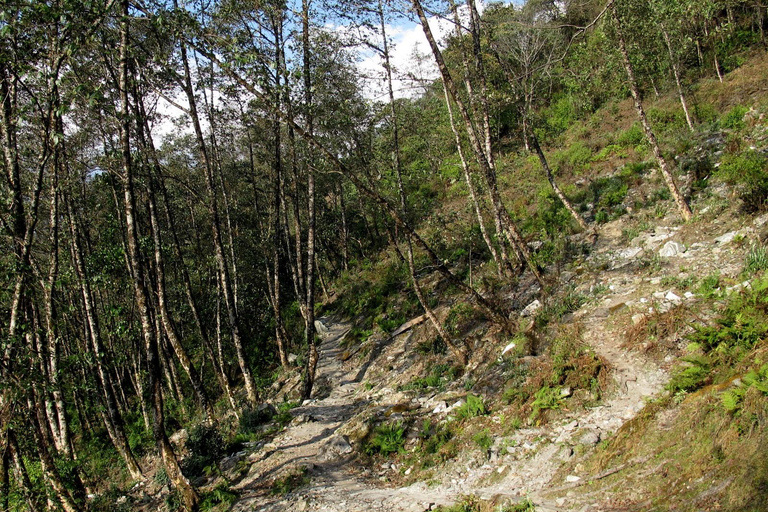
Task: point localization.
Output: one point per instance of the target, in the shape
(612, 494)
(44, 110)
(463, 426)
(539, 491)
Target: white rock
(630, 252)
(728, 237)
(121, 500)
(531, 308)
(672, 297)
(508, 348)
(636, 319)
(689, 295)
(441, 408)
(320, 328)
(292, 358)
(572, 478)
(671, 249)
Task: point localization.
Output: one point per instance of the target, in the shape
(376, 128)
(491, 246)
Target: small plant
(757, 259)
(757, 379)
(526, 505)
(546, 398)
(387, 439)
(292, 481)
(691, 377)
(206, 446)
(252, 418)
(469, 503)
(459, 318)
(483, 439)
(434, 437)
(473, 407)
(221, 494)
(734, 118)
(709, 287)
(747, 171)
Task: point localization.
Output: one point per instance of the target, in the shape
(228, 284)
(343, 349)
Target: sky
(411, 57)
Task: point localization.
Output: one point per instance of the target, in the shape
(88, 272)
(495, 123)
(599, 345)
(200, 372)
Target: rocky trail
(529, 463)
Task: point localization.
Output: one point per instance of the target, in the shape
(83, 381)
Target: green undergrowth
(472, 503)
(567, 371)
(718, 405)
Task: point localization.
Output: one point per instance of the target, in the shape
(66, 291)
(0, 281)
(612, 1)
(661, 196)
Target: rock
(440, 408)
(508, 348)
(121, 500)
(566, 392)
(572, 478)
(531, 308)
(300, 506)
(630, 252)
(671, 249)
(636, 319)
(335, 447)
(672, 297)
(590, 438)
(728, 237)
(321, 329)
(292, 358)
(270, 447)
(179, 438)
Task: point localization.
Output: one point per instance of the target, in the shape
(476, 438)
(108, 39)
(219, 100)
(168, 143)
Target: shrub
(692, 377)
(631, 137)
(221, 494)
(206, 446)
(483, 439)
(757, 259)
(433, 437)
(547, 397)
(734, 118)
(474, 406)
(251, 418)
(387, 439)
(747, 171)
(459, 318)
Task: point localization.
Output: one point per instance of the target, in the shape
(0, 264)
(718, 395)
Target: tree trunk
(676, 72)
(551, 178)
(685, 210)
(232, 317)
(188, 494)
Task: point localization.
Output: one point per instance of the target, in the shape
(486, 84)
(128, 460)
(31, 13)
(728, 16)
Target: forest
(187, 187)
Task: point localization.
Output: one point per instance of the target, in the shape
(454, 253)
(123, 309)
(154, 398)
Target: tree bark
(676, 72)
(188, 494)
(685, 210)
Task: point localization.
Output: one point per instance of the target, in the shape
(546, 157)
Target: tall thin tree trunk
(676, 72)
(188, 494)
(309, 330)
(685, 210)
(224, 277)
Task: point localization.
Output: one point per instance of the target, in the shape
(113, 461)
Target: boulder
(671, 249)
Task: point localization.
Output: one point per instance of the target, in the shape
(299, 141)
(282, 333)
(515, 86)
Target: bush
(757, 259)
(206, 446)
(483, 439)
(387, 439)
(251, 418)
(474, 406)
(691, 377)
(734, 118)
(748, 173)
(546, 398)
(221, 494)
(631, 137)
(433, 437)
(291, 482)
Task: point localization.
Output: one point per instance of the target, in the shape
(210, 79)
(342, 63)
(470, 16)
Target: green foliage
(756, 260)
(386, 439)
(709, 287)
(548, 397)
(434, 437)
(206, 446)
(631, 137)
(438, 376)
(526, 505)
(757, 379)
(747, 171)
(432, 346)
(560, 115)
(576, 158)
(483, 439)
(219, 495)
(469, 503)
(473, 407)
(294, 480)
(692, 376)
(460, 318)
(251, 418)
(734, 118)
(555, 309)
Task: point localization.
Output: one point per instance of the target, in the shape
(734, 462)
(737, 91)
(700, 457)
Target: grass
(386, 439)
